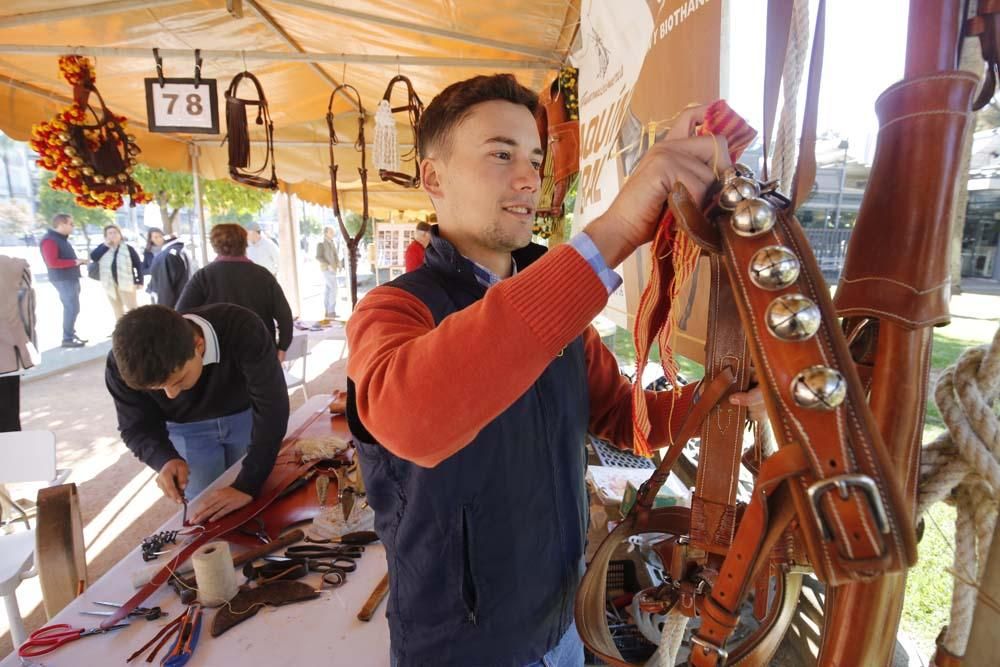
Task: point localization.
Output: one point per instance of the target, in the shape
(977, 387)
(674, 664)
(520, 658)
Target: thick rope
(962, 466)
(670, 640)
(796, 54)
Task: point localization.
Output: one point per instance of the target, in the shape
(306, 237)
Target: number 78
(194, 105)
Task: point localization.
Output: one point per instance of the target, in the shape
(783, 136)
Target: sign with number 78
(182, 105)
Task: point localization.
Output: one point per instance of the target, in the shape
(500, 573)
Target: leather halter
(414, 107)
(239, 137)
(359, 145)
(986, 26)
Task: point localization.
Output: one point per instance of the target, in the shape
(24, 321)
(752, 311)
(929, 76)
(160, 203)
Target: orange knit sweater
(425, 391)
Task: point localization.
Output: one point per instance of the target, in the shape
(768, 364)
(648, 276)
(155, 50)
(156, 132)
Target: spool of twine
(214, 573)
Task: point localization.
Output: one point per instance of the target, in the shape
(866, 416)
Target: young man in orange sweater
(474, 379)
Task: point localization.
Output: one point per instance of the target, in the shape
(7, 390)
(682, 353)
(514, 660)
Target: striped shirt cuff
(585, 246)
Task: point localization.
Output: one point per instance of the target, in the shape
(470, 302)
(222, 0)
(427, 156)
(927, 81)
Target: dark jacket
(64, 268)
(169, 273)
(238, 280)
(246, 375)
(484, 549)
(97, 253)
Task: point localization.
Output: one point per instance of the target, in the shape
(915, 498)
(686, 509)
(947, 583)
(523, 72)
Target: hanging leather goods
(986, 26)
(414, 108)
(352, 241)
(238, 135)
(559, 129)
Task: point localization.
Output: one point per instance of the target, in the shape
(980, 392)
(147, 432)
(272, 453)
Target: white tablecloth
(324, 631)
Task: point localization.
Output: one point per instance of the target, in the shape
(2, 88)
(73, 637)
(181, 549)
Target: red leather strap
(286, 470)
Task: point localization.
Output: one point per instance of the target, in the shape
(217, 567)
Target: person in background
(232, 278)
(169, 272)
(195, 393)
(64, 274)
(262, 250)
(154, 241)
(415, 251)
(18, 341)
(120, 272)
(329, 264)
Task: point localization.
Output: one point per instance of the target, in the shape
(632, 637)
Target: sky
(864, 54)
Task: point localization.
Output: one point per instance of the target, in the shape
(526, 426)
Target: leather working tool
(284, 568)
(359, 145)
(318, 551)
(238, 135)
(250, 600)
(414, 108)
(48, 639)
(148, 613)
(361, 537)
(188, 632)
(186, 587)
(286, 470)
(375, 599)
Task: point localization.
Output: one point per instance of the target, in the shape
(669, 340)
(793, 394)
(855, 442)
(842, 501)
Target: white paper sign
(178, 105)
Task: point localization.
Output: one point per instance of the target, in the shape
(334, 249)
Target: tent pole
(199, 206)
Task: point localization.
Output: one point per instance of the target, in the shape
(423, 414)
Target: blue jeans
(567, 653)
(69, 294)
(330, 293)
(210, 447)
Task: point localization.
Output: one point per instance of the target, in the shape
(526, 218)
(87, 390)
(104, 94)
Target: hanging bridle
(359, 145)
(414, 107)
(238, 135)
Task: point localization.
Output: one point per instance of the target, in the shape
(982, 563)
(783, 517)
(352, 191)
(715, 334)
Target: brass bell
(753, 217)
(748, 188)
(729, 174)
(75, 161)
(730, 197)
(793, 317)
(98, 178)
(743, 170)
(819, 388)
(87, 171)
(774, 267)
(63, 136)
(122, 178)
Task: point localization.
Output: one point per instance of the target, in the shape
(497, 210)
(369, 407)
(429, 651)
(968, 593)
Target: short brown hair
(452, 106)
(229, 239)
(150, 343)
(423, 226)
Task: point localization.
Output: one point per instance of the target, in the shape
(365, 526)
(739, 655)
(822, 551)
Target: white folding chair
(25, 456)
(299, 349)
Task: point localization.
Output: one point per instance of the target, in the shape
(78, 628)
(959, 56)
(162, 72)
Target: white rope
(962, 466)
(783, 167)
(670, 640)
(385, 151)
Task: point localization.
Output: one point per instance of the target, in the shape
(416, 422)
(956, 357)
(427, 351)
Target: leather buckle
(862, 482)
(708, 647)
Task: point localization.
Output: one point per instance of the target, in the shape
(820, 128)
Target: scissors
(47, 639)
(148, 613)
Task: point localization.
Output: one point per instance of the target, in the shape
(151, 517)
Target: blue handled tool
(187, 639)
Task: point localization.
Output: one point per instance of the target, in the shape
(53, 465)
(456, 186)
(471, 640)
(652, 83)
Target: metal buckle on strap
(708, 647)
(862, 482)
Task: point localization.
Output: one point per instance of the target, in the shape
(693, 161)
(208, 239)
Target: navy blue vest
(65, 252)
(485, 549)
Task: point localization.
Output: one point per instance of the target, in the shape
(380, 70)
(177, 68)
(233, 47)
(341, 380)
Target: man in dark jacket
(194, 393)
(64, 274)
(170, 272)
(233, 278)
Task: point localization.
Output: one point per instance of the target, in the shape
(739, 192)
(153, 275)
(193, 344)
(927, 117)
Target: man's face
(253, 237)
(487, 187)
(328, 233)
(66, 227)
(187, 375)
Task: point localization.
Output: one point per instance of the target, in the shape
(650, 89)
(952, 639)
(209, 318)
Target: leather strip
(286, 470)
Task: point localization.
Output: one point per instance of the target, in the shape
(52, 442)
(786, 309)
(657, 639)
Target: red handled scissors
(47, 639)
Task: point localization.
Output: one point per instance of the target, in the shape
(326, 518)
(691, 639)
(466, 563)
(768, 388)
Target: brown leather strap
(779, 23)
(286, 470)
(238, 137)
(414, 108)
(713, 506)
(761, 526)
(162, 636)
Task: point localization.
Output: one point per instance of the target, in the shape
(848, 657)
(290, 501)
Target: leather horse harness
(359, 145)
(238, 135)
(414, 108)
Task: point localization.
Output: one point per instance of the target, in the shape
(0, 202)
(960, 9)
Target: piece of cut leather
(60, 553)
(249, 601)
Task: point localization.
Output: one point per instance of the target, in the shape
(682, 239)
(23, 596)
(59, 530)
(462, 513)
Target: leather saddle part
(59, 547)
(249, 601)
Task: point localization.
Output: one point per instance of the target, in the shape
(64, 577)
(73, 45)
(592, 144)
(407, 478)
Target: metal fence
(830, 247)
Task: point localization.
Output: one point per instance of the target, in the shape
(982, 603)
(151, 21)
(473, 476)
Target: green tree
(352, 221)
(52, 201)
(224, 197)
(171, 190)
(309, 226)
